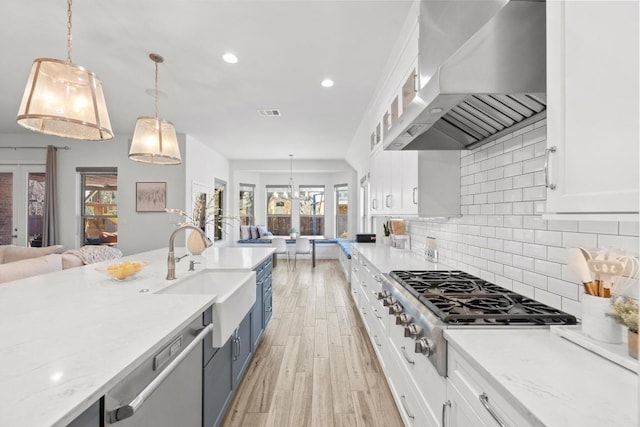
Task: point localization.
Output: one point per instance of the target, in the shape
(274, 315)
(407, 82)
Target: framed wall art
(151, 196)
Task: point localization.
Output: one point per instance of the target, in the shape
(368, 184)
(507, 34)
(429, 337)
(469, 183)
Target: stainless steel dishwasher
(166, 390)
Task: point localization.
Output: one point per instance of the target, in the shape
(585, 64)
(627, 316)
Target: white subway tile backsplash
(513, 221)
(548, 298)
(504, 184)
(522, 181)
(523, 262)
(523, 235)
(533, 165)
(513, 169)
(628, 243)
(512, 273)
(552, 269)
(513, 195)
(535, 222)
(575, 240)
(534, 193)
(629, 229)
(502, 236)
(535, 279)
(550, 238)
(523, 208)
(523, 289)
(523, 130)
(534, 251)
(598, 227)
(565, 289)
(524, 153)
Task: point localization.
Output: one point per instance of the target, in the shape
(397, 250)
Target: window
(35, 206)
(312, 210)
(342, 211)
(99, 206)
(218, 206)
(278, 211)
(247, 192)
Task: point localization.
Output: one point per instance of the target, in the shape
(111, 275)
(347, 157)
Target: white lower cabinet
(473, 399)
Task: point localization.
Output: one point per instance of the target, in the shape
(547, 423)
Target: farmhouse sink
(236, 295)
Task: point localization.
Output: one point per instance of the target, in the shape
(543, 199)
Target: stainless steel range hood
(481, 74)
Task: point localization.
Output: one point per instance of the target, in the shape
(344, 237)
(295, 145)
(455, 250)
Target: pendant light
(295, 195)
(154, 139)
(64, 99)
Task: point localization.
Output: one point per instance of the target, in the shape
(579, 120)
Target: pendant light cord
(156, 91)
(69, 34)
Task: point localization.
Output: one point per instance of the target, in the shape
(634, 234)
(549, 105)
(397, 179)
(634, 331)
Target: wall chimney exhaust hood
(482, 73)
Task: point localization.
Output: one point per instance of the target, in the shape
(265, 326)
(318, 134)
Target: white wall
(204, 165)
(305, 172)
(137, 232)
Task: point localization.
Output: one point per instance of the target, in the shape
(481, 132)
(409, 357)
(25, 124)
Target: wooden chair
(303, 247)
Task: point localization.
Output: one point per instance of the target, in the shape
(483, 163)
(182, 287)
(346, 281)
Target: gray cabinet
(89, 418)
(267, 301)
(261, 313)
(241, 350)
(217, 385)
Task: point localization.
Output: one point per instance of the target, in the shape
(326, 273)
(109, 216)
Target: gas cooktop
(459, 298)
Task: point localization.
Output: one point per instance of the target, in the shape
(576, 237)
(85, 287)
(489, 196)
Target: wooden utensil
(605, 270)
(578, 264)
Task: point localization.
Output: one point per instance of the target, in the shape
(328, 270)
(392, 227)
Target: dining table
(290, 239)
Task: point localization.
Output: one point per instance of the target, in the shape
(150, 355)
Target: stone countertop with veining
(558, 383)
(235, 258)
(68, 337)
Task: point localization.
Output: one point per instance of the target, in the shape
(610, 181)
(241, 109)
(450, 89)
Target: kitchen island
(69, 337)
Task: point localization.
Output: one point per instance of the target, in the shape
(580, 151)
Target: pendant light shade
(64, 99)
(154, 139)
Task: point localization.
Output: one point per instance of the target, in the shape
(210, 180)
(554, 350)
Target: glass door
(21, 204)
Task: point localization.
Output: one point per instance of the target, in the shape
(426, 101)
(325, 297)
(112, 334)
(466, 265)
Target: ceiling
(285, 49)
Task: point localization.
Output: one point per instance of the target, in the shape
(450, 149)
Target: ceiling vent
(270, 112)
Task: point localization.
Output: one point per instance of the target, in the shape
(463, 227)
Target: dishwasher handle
(127, 411)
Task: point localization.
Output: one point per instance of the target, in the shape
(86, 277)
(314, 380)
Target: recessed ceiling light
(230, 58)
(327, 83)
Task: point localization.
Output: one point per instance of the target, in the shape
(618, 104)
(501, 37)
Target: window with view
(221, 189)
(342, 211)
(99, 206)
(312, 210)
(247, 192)
(278, 211)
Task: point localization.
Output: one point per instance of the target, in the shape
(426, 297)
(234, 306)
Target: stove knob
(383, 294)
(411, 331)
(403, 319)
(387, 301)
(424, 346)
(396, 309)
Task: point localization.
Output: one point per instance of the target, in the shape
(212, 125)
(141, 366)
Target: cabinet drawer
(268, 308)
(474, 388)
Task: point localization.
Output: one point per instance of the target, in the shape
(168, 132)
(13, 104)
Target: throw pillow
(244, 232)
(262, 230)
(254, 232)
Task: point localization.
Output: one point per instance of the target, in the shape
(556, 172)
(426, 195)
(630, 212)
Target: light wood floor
(315, 365)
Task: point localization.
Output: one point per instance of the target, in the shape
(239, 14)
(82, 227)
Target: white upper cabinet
(439, 183)
(592, 116)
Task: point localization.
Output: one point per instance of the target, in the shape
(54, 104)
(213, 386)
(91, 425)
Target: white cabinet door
(459, 413)
(409, 182)
(592, 117)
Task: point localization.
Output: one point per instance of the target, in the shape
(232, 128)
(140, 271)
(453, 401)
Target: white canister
(596, 324)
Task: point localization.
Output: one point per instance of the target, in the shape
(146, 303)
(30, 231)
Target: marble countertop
(68, 337)
(385, 258)
(557, 382)
(235, 258)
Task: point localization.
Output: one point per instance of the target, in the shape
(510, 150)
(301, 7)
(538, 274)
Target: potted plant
(292, 232)
(625, 312)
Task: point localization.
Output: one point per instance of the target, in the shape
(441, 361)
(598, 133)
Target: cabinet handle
(406, 356)
(413, 195)
(377, 279)
(130, 409)
(444, 410)
(387, 200)
(547, 183)
(484, 399)
(376, 310)
(403, 400)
